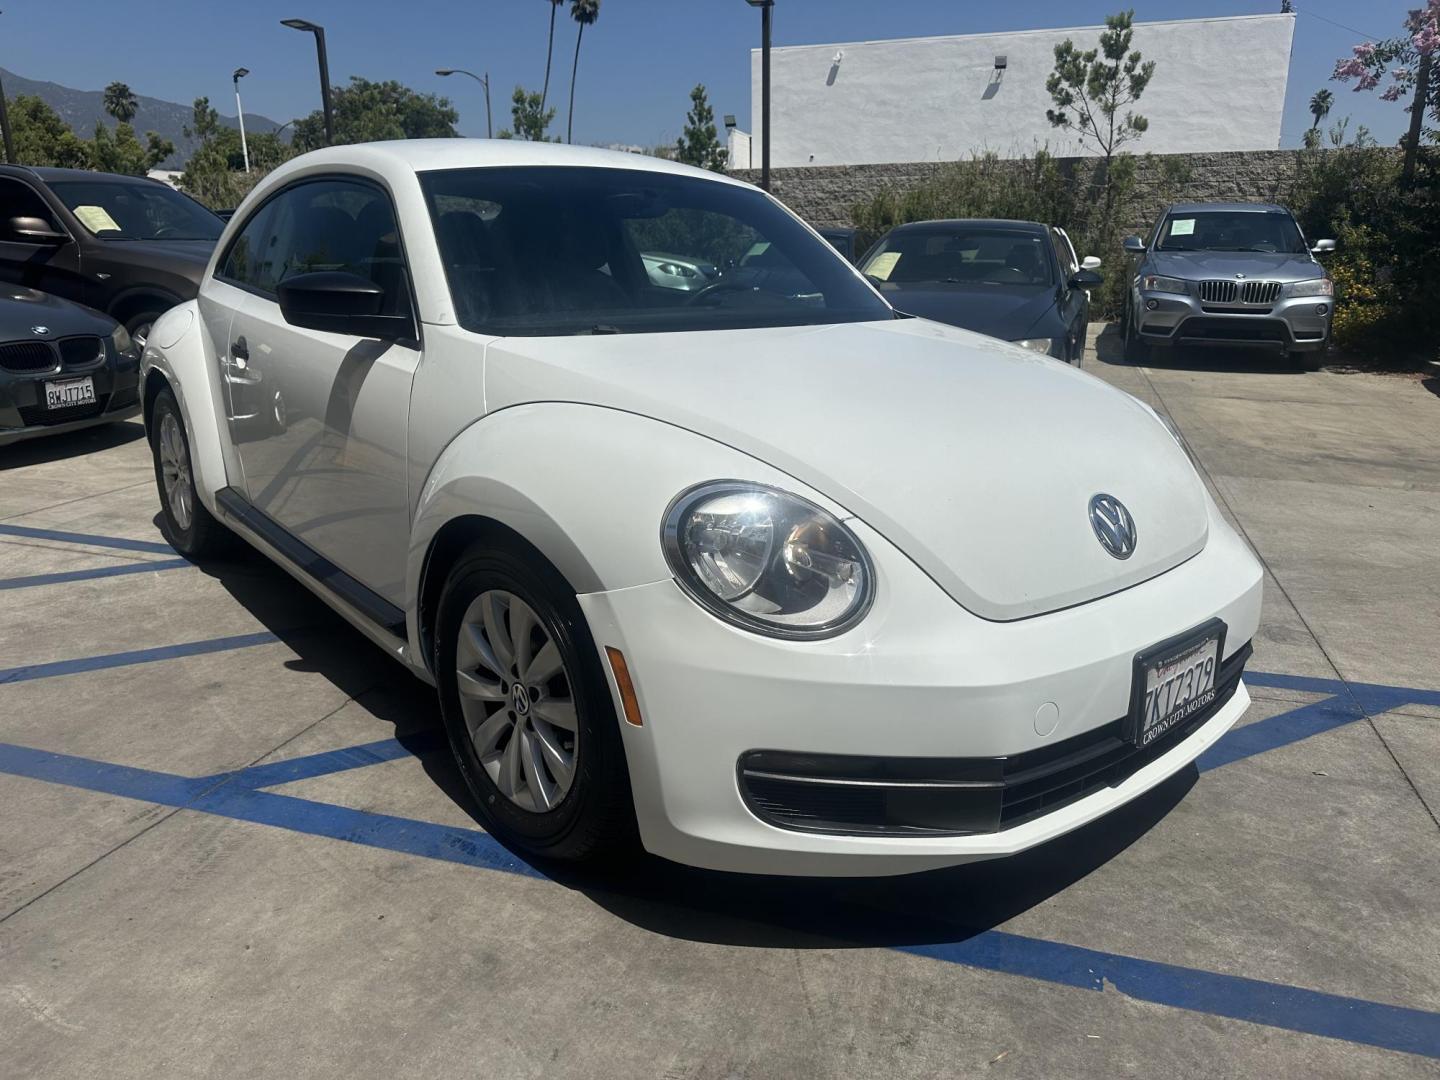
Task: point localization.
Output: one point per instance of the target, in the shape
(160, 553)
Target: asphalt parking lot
(231, 844)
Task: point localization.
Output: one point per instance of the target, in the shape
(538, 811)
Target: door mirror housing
(34, 230)
(1090, 262)
(1134, 245)
(1322, 246)
(1086, 279)
(340, 303)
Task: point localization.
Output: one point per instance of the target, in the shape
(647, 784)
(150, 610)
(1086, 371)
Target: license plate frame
(56, 393)
(1138, 732)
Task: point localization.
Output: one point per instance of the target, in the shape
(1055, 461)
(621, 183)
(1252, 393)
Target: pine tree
(700, 145)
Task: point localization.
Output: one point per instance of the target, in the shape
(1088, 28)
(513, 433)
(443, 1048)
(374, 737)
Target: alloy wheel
(518, 701)
(175, 471)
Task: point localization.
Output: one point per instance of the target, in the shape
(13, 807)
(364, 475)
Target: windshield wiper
(602, 328)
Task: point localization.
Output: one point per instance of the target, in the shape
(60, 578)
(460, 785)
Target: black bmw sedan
(62, 366)
(1015, 280)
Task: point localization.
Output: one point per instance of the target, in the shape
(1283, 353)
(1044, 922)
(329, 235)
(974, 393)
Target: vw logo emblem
(40, 330)
(1113, 525)
(519, 699)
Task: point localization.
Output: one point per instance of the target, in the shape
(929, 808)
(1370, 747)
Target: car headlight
(1035, 344)
(120, 338)
(1320, 286)
(767, 561)
(1161, 283)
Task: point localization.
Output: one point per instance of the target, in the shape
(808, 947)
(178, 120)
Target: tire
(1136, 351)
(547, 770)
(1313, 360)
(187, 525)
(138, 326)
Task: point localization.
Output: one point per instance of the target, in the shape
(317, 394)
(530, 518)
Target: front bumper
(919, 678)
(1292, 324)
(23, 414)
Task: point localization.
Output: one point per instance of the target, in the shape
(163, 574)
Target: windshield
(136, 211)
(540, 250)
(960, 256)
(1231, 230)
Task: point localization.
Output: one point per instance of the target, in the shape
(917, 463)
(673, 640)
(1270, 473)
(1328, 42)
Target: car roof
(45, 172)
(986, 223)
(1201, 207)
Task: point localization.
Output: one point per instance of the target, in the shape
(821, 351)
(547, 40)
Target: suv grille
(78, 352)
(1246, 292)
(27, 356)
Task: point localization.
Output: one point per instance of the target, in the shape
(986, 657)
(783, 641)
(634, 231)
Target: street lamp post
(319, 32)
(765, 7)
(240, 73)
(483, 81)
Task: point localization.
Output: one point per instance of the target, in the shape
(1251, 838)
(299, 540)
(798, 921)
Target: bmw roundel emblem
(1113, 525)
(41, 331)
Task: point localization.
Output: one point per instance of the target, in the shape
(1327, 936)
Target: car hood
(1003, 311)
(1254, 265)
(976, 459)
(21, 310)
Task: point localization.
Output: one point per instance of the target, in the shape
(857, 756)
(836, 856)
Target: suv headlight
(1035, 344)
(120, 338)
(1320, 286)
(767, 561)
(1160, 283)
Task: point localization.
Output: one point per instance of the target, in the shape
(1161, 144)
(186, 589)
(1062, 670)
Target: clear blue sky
(637, 65)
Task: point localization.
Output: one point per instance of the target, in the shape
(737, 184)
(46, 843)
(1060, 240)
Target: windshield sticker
(882, 265)
(1184, 226)
(96, 219)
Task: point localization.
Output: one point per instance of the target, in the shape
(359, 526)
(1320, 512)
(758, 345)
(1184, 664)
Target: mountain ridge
(82, 109)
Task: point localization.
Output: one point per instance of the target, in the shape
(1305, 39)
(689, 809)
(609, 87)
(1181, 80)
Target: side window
(21, 200)
(323, 225)
(1064, 254)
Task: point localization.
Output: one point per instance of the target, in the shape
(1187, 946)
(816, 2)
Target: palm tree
(120, 102)
(1320, 106)
(584, 12)
(549, 52)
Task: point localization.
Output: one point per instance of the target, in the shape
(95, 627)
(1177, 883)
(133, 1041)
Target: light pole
(319, 32)
(483, 81)
(5, 126)
(240, 73)
(765, 7)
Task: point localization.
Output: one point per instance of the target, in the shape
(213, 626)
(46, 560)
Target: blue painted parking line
(135, 656)
(120, 570)
(323, 763)
(92, 539)
(231, 795)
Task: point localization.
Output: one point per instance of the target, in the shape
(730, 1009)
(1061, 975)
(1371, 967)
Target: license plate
(1174, 681)
(71, 392)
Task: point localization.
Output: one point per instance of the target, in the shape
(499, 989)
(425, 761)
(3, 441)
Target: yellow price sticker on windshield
(883, 265)
(97, 219)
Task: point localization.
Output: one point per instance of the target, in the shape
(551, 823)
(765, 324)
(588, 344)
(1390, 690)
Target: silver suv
(1228, 274)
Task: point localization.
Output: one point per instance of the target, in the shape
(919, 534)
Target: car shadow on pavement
(46, 448)
(698, 905)
(1110, 349)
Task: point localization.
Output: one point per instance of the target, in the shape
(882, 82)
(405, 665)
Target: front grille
(78, 352)
(40, 416)
(27, 356)
(1200, 330)
(1246, 292)
(874, 796)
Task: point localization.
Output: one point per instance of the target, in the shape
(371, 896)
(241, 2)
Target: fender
(176, 350)
(586, 485)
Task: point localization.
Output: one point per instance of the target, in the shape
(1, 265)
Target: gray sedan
(1228, 274)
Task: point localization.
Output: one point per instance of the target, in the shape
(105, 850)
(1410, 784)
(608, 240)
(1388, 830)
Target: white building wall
(1219, 85)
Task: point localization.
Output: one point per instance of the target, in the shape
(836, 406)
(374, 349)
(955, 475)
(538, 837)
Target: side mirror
(1090, 262)
(341, 303)
(1134, 245)
(1322, 246)
(1086, 279)
(34, 230)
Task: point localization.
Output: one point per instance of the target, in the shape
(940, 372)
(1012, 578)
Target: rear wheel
(527, 708)
(190, 528)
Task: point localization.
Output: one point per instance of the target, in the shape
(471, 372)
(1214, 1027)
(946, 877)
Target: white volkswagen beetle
(789, 582)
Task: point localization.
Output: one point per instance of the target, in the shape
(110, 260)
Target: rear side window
(20, 200)
(345, 225)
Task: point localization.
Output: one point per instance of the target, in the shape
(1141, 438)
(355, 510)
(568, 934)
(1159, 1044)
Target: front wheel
(139, 326)
(190, 528)
(1136, 351)
(1313, 360)
(527, 708)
